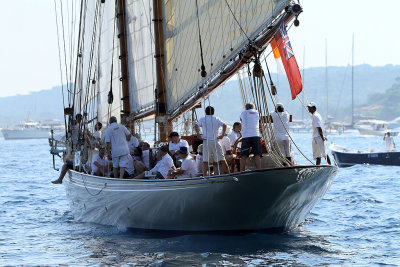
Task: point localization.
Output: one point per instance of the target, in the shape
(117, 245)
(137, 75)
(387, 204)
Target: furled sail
(225, 28)
(140, 46)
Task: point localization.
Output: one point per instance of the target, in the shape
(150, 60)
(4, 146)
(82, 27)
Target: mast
(352, 82)
(161, 94)
(121, 16)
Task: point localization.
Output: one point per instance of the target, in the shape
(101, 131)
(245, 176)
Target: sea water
(356, 223)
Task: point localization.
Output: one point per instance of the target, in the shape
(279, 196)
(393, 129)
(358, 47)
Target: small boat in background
(33, 130)
(348, 157)
(374, 127)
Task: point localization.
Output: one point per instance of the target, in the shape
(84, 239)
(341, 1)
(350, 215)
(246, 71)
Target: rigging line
(63, 35)
(92, 50)
(341, 87)
(81, 18)
(59, 61)
(238, 23)
(72, 43)
(301, 152)
(70, 29)
(81, 63)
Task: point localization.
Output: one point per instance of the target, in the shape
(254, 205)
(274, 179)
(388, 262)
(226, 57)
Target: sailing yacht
(159, 60)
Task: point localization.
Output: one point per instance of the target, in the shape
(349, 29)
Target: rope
(61, 76)
(87, 190)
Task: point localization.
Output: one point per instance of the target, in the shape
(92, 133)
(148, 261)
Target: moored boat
(374, 127)
(32, 130)
(349, 157)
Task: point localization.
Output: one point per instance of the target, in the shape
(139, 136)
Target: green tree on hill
(385, 105)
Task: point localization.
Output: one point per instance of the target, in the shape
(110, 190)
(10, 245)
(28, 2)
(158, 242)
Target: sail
(109, 70)
(99, 50)
(140, 46)
(225, 28)
(87, 48)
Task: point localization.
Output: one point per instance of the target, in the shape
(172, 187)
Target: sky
(29, 53)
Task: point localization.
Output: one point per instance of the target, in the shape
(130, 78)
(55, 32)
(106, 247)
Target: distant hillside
(369, 82)
(46, 104)
(384, 105)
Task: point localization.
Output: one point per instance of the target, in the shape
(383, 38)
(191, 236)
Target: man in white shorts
(390, 145)
(211, 147)
(318, 142)
(281, 118)
(117, 137)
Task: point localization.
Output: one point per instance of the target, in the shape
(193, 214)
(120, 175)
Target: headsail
(225, 28)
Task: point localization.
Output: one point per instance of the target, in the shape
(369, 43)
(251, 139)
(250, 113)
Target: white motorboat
(33, 130)
(374, 127)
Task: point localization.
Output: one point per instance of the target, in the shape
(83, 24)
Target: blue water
(356, 223)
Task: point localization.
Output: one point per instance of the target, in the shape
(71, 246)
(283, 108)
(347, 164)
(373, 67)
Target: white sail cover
(221, 37)
(140, 46)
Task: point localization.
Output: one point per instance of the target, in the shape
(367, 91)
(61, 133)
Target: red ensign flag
(288, 60)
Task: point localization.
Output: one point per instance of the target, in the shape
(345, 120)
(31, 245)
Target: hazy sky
(29, 55)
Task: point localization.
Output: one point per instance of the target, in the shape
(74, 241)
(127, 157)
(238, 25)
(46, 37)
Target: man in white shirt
(280, 119)
(318, 142)
(94, 139)
(132, 144)
(100, 164)
(117, 137)
(188, 167)
(147, 155)
(250, 136)
(235, 134)
(211, 147)
(164, 165)
(390, 145)
(176, 143)
(76, 130)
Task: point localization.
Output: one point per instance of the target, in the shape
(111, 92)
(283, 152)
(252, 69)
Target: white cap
(279, 105)
(311, 105)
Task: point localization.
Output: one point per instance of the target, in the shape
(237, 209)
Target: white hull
(248, 201)
(375, 133)
(10, 134)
